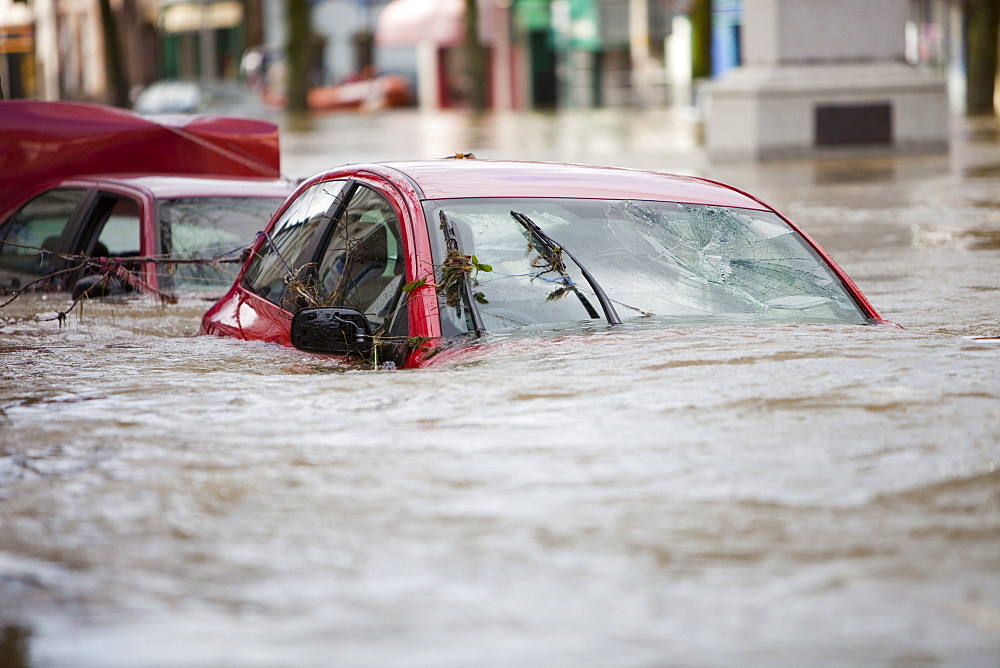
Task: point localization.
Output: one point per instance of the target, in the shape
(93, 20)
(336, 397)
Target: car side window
(363, 264)
(120, 234)
(38, 225)
(283, 255)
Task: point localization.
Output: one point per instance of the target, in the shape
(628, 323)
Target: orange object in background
(365, 93)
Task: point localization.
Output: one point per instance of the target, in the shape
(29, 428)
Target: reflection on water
(643, 495)
(983, 171)
(869, 171)
(984, 239)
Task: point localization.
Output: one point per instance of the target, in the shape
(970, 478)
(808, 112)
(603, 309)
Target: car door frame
(80, 227)
(86, 233)
(247, 315)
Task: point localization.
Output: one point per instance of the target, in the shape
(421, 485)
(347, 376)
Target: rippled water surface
(638, 496)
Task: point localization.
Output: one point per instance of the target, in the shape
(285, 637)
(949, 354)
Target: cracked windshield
(680, 261)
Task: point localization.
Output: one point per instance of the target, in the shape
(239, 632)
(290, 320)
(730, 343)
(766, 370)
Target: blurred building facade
(54, 49)
(541, 53)
(17, 48)
(824, 77)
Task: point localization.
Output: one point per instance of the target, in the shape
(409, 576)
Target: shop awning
(410, 22)
(194, 16)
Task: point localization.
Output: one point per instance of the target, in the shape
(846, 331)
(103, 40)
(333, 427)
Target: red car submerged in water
(97, 199)
(392, 262)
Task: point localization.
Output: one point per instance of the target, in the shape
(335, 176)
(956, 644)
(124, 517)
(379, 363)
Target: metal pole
(206, 42)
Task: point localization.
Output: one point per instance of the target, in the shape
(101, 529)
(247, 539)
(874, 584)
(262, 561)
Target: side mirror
(332, 330)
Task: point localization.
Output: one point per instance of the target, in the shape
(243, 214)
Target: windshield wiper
(552, 251)
(454, 253)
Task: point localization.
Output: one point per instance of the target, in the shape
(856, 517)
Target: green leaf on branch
(413, 285)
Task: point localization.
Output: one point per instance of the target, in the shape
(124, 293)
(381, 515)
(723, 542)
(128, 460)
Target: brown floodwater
(791, 495)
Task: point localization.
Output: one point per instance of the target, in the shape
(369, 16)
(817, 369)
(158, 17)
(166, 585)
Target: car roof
(447, 179)
(43, 141)
(190, 186)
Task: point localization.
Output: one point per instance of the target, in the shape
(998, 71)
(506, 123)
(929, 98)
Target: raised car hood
(41, 141)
